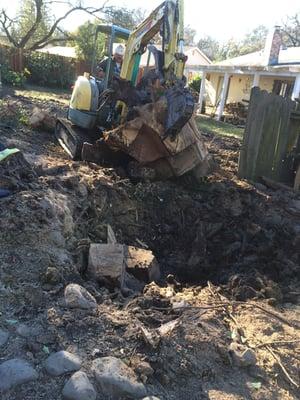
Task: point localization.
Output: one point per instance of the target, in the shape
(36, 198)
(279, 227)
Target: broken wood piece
(111, 237)
(119, 264)
(106, 262)
(142, 264)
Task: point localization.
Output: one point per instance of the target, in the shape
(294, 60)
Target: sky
(221, 19)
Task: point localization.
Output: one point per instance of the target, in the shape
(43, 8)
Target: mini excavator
(144, 115)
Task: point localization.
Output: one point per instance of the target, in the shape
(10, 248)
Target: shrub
(13, 78)
(50, 70)
(195, 84)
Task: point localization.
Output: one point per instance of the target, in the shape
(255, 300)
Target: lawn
(44, 94)
(210, 125)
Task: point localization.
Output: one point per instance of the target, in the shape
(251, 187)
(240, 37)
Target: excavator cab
(88, 105)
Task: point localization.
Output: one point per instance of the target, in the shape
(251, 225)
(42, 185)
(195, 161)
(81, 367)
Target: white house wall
(239, 88)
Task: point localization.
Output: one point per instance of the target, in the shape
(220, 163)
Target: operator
(116, 64)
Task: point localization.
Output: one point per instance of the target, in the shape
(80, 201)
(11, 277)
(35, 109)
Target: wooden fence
(271, 135)
(16, 59)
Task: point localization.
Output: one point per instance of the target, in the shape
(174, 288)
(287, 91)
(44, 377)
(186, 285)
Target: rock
(62, 362)
(27, 331)
(144, 370)
(116, 378)
(79, 387)
(150, 398)
(106, 262)
(52, 275)
(241, 355)
(77, 296)
(15, 372)
(142, 264)
(42, 119)
(3, 337)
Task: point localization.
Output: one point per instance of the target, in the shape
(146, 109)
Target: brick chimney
(272, 46)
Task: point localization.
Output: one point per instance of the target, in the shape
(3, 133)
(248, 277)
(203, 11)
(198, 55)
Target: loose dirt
(242, 238)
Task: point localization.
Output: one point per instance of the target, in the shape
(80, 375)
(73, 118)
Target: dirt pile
(176, 336)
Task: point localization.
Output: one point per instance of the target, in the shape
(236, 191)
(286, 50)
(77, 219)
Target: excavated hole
(220, 233)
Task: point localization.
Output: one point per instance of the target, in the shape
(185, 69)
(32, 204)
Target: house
(195, 60)
(274, 69)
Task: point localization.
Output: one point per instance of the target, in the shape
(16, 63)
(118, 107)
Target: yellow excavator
(144, 117)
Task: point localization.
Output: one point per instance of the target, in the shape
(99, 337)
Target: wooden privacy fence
(270, 138)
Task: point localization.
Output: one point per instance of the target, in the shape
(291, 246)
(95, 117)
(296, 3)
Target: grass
(210, 125)
(42, 93)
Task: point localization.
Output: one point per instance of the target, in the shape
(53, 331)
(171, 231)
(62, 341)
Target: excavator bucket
(144, 139)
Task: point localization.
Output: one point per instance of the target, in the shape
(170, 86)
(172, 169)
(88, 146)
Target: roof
(63, 51)
(290, 55)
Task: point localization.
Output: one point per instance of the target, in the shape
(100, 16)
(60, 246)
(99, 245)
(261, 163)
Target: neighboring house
(274, 69)
(196, 59)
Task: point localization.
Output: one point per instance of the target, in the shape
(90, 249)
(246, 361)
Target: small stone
(15, 372)
(144, 370)
(62, 362)
(150, 398)
(3, 337)
(52, 276)
(242, 356)
(28, 331)
(116, 378)
(79, 387)
(77, 296)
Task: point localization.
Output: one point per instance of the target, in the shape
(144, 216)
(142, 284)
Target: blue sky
(221, 19)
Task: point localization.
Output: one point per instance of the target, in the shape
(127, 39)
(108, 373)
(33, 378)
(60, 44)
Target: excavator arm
(168, 20)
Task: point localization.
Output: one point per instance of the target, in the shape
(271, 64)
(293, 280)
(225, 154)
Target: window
(283, 88)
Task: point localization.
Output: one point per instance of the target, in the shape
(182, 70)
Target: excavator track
(71, 138)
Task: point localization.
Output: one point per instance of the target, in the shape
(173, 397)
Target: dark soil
(244, 238)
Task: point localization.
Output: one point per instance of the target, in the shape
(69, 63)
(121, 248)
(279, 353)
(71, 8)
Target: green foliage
(50, 70)
(210, 125)
(253, 41)
(12, 114)
(85, 40)
(210, 47)
(195, 84)
(13, 78)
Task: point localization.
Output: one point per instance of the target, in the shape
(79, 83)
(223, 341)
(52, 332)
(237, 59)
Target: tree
(291, 31)
(189, 36)
(210, 47)
(32, 33)
(124, 17)
(254, 41)
(84, 39)
(27, 13)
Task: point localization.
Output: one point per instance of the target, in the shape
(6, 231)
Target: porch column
(202, 92)
(256, 77)
(224, 92)
(296, 89)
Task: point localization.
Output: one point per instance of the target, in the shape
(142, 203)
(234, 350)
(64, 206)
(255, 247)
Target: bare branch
(6, 22)
(89, 10)
(35, 25)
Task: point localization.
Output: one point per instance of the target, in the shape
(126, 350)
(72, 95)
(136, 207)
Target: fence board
(272, 128)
